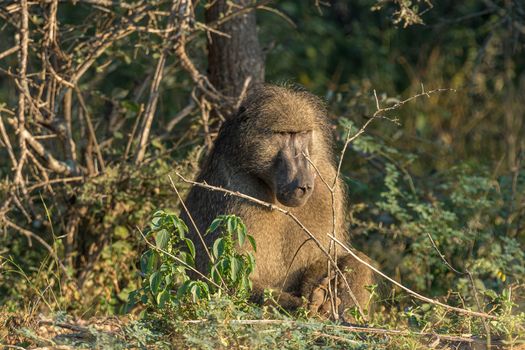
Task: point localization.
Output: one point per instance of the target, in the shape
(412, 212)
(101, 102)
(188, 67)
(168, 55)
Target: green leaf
(251, 262)
(154, 281)
(157, 144)
(191, 247)
(162, 239)
(235, 268)
(168, 279)
(215, 275)
(183, 289)
(181, 227)
(252, 242)
(193, 291)
(204, 290)
(187, 258)
(131, 106)
(241, 234)
(148, 261)
(157, 218)
(162, 297)
(218, 247)
(132, 300)
(214, 225)
(230, 225)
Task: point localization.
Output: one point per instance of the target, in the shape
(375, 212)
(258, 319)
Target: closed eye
(304, 132)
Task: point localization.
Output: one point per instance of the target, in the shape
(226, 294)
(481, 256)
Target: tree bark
(232, 60)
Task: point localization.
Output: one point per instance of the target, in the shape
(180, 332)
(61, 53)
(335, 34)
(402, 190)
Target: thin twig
(56, 165)
(348, 328)
(91, 129)
(9, 51)
(32, 235)
(471, 279)
(191, 219)
(7, 143)
(355, 256)
(151, 106)
(410, 291)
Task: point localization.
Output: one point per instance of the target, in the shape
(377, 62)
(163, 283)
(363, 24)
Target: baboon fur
(243, 147)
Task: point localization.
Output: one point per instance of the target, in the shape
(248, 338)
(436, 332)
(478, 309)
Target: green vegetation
(437, 199)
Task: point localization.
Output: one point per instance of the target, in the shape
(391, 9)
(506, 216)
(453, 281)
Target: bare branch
(410, 291)
(55, 165)
(32, 235)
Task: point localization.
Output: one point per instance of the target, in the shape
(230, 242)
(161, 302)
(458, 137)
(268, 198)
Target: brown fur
(243, 147)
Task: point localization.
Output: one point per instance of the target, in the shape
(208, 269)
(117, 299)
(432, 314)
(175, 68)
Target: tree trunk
(232, 60)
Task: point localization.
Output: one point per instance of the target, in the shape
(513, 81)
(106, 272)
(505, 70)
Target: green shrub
(169, 263)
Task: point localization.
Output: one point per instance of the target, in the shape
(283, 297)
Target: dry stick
(289, 268)
(71, 147)
(181, 115)
(24, 42)
(337, 338)
(104, 42)
(218, 22)
(287, 213)
(90, 128)
(21, 208)
(180, 50)
(205, 116)
(151, 107)
(55, 165)
(333, 295)
(7, 143)
(409, 291)
(42, 170)
(133, 131)
(9, 52)
(467, 272)
(357, 329)
(191, 219)
(177, 259)
(54, 181)
(244, 90)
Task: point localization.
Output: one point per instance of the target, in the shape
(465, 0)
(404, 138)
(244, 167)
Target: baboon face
(293, 175)
(280, 133)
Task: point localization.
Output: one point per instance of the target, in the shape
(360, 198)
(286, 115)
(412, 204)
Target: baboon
(278, 148)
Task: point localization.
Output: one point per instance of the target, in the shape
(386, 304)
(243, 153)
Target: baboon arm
(283, 299)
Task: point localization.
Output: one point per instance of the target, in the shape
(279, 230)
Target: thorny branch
(53, 135)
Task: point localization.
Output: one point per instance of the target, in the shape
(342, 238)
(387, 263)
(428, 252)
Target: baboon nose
(304, 189)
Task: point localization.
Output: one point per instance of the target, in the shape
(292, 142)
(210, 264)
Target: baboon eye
(293, 132)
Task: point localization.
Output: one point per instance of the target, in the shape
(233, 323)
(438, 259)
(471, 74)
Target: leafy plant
(230, 266)
(168, 266)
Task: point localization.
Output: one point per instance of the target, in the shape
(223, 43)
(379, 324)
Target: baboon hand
(320, 302)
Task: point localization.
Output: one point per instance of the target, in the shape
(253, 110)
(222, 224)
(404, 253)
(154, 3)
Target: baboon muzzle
(295, 178)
